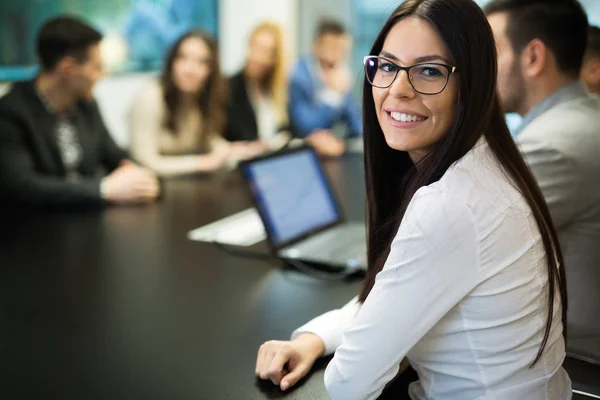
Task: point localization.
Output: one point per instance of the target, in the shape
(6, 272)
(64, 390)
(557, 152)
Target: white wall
(115, 94)
(237, 18)
(4, 87)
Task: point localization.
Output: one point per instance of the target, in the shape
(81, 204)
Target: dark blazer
(31, 168)
(241, 119)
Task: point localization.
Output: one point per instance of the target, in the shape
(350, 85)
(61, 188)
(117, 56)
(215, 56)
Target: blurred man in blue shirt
(321, 91)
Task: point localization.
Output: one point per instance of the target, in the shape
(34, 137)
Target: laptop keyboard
(338, 243)
(341, 250)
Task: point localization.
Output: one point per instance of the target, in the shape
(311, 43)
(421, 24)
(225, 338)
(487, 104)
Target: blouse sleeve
(331, 326)
(219, 143)
(433, 264)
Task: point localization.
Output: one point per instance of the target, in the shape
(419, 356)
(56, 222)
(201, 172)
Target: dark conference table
(118, 304)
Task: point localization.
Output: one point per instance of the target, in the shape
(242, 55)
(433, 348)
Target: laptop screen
(292, 194)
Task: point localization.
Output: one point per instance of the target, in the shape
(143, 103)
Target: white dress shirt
(463, 295)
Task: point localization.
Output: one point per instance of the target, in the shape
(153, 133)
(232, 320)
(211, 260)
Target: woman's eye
(387, 67)
(431, 71)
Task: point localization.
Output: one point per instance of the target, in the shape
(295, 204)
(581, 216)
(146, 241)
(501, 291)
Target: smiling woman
(416, 127)
(457, 231)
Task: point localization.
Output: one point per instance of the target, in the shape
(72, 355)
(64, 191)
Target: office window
(137, 32)
(369, 17)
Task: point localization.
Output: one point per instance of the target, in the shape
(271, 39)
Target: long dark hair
(391, 177)
(211, 101)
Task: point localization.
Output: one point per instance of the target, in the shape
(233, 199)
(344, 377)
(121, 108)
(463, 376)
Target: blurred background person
(257, 109)
(590, 72)
(177, 122)
(541, 44)
(54, 146)
(321, 91)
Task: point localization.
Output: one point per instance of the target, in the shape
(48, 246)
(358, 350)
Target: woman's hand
(285, 363)
(326, 143)
(245, 150)
(214, 160)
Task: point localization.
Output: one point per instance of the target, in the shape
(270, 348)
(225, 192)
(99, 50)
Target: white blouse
(463, 295)
(266, 118)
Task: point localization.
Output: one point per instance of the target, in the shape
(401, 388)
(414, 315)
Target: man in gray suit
(541, 44)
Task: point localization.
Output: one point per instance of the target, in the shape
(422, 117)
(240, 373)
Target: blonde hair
(276, 82)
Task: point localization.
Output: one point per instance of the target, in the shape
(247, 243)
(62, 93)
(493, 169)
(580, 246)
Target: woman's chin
(399, 144)
(189, 88)
(416, 151)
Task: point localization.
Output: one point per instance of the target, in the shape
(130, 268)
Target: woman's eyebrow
(427, 58)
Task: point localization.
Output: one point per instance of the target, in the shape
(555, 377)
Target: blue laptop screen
(292, 193)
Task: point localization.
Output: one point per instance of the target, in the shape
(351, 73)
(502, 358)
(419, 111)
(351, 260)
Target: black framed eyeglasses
(425, 78)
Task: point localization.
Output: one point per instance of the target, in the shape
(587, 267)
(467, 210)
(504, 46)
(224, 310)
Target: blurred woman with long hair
(177, 122)
(257, 109)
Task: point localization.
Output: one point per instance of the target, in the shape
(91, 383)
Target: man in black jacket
(54, 147)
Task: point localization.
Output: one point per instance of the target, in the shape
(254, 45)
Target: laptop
(302, 217)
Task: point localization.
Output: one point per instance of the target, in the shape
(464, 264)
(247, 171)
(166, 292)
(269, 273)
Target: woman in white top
(176, 124)
(465, 273)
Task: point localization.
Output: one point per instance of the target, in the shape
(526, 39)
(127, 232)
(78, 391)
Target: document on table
(242, 229)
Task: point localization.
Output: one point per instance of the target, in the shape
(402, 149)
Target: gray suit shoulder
(572, 128)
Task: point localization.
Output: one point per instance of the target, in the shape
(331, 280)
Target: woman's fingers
(275, 370)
